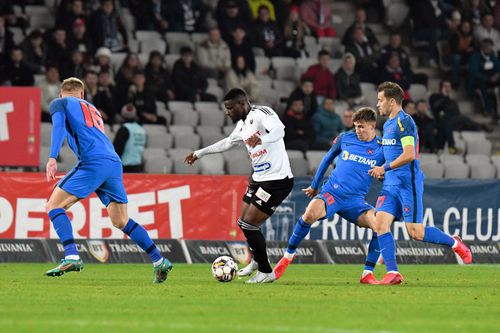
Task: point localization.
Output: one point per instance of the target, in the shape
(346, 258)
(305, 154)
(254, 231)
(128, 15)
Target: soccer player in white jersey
(262, 132)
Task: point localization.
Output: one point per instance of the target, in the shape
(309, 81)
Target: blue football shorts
(102, 176)
(403, 201)
(350, 208)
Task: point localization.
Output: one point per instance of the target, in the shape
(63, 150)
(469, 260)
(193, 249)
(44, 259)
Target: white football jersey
(269, 159)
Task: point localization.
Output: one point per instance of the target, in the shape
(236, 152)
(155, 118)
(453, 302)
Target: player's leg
(119, 218)
(368, 220)
(252, 266)
(413, 218)
(315, 210)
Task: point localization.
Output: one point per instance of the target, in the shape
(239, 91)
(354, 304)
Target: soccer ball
(224, 269)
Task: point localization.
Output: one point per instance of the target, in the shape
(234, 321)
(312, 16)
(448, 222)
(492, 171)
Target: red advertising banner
(19, 126)
(168, 206)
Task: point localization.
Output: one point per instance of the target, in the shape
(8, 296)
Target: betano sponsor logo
(356, 158)
(420, 252)
(11, 247)
(389, 142)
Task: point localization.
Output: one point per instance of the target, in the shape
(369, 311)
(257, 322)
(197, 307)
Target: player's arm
(218, 147)
(334, 151)
(121, 140)
(275, 131)
(58, 133)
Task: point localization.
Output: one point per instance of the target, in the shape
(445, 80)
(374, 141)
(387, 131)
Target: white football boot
(249, 269)
(262, 278)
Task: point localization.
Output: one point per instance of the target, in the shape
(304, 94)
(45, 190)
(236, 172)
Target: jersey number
(329, 198)
(92, 117)
(380, 201)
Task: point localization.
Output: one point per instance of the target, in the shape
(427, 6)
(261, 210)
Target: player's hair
(392, 90)
(235, 93)
(72, 84)
(364, 114)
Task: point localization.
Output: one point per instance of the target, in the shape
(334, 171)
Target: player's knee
(416, 234)
(310, 216)
(50, 205)
(119, 223)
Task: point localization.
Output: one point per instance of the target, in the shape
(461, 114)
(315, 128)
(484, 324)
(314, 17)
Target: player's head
(73, 87)
(365, 120)
(236, 104)
(389, 98)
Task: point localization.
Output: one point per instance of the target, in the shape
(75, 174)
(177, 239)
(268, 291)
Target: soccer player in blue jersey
(344, 192)
(99, 170)
(401, 194)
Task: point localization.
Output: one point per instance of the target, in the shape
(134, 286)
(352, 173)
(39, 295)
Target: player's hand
(190, 159)
(253, 141)
(51, 169)
(377, 171)
(310, 192)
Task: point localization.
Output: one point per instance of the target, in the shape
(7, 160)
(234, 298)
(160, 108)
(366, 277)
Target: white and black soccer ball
(224, 269)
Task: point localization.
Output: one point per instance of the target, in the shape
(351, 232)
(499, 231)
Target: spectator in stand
(294, 31)
(360, 22)
(256, 4)
(267, 34)
(240, 76)
(130, 140)
(6, 40)
(77, 67)
(324, 82)
(79, 41)
(487, 31)
(91, 88)
(66, 19)
(461, 45)
(150, 14)
(107, 29)
(395, 73)
(347, 120)
(57, 50)
(365, 54)
(496, 15)
(11, 19)
(15, 72)
(104, 99)
(425, 124)
(347, 81)
(484, 76)
(299, 131)
(306, 93)
(241, 46)
(213, 55)
(190, 84)
(144, 101)
(103, 62)
(158, 78)
(474, 10)
(231, 14)
(327, 123)
(318, 16)
(34, 52)
(125, 76)
(49, 88)
(185, 15)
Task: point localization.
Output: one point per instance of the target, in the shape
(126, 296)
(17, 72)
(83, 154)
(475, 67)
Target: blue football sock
(300, 231)
(388, 250)
(373, 253)
(140, 236)
(64, 230)
(436, 236)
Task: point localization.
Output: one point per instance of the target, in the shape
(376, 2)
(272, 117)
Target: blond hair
(72, 84)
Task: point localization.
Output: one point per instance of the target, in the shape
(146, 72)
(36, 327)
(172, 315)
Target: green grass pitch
(309, 298)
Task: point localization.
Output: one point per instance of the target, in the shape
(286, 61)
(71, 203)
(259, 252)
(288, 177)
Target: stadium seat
(477, 159)
(284, 68)
(182, 168)
(205, 130)
(228, 129)
(283, 88)
(210, 138)
(314, 159)
(158, 164)
(216, 91)
(212, 164)
(162, 140)
(456, 171)
(154, 128)
(432, 169)
(18, 35)
(303, 64)
(369, 92)
(117, 60)
(482, 147)
(187, 140)
(333, 45)
(176, 40)
(206, 106)
(143, 35)
(237, 161)
(181, 129)
(44, 156)
(451, 159)
(418, 91)
(149, 45)
(258, 51)
(313, 50)
(41, 22)
(45, 134)
(153, 152)
(495, 159)
(180, 106)
(39, 78)
(295, 154)
(482, 171)
(300, 167)
(335, 65)
(428, 158)
(198, 37)
(186, 117)
(68, 159)
(212, 118)
(473, 136)
(466, 107)
(170, 60)
(262, 66)
(498, 170)
(178, 153)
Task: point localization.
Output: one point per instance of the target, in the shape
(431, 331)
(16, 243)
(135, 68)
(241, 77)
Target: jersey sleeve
(327, 160)
(407, 130)
(58, 132)
(275, 130)
(57, 105)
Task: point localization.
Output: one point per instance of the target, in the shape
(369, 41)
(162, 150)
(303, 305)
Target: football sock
(373, 253)
(140, 236)
(388, 249)
(257, 244)
(64, 230)
(300, 231)
(436, 236)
